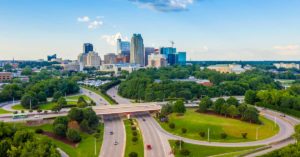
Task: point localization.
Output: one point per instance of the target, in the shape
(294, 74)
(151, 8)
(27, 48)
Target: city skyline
(206, 30)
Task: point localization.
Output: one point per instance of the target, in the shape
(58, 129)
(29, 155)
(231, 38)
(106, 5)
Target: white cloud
(165, 5)
(112, 39)
(83, 19)
(287, 50)
(95, 24)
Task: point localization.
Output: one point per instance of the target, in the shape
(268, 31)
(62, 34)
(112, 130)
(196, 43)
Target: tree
(232, 111)
(84, 125)
(134, 139)
(250, 97)
(179, 107)
(204, 104)
(73, 135)
(185, 152)
(75, 114)
(223, 135)
(251, 115)
(29, 100)
(172, 125)
(232, 101)
(27, 71)
(183, 130)
(56, 96)
(60, 130)
(133, 154)
(217, 107)
(42, 97)
(8, 67)
(166, 109)
(242, 108)
(56, 108)
(62, 102)
(244, 135)
(61, 120)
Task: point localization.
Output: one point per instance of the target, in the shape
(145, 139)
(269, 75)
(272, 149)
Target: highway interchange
(115, 137)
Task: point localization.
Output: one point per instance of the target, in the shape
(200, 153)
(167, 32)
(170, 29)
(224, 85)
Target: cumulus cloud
(165, 5)
(91, 24)
(287, 50)
(112, 39)
(83, 19)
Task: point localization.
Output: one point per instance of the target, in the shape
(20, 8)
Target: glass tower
(137, 50)
(87, 47)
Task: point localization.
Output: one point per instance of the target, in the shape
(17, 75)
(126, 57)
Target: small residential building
(228, 68)
(5, 76)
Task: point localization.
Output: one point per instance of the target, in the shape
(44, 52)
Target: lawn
(86, 148)
(204, 151)
(75, 98)
(18, 107)
(131, 146)
(196, 122)
(105, 96)
(2, 111)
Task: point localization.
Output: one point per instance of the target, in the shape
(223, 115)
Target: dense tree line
(287, 101)
(17, 142)
(142, 84)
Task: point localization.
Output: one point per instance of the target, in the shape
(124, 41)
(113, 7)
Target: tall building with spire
(137, 50)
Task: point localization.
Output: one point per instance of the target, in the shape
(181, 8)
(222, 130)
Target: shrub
(134, 133)
(179, 142)
(22, 111)
(133, 127)
(39, 131)
(31, 111)
(202, 134)
(133, 154)
(15, 112)
(183, 130)
(73, 135)
(172, 125)
(39, 110)
(223, 135)
(97, 135)
(244, 135)
(185, 152)
(45, 111)
(134, 139)
(60, 130)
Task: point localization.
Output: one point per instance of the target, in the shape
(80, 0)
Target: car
(111, 133)
(282, 115)
(149, 147)
(144, 119)
(116, 143)
(114, 96)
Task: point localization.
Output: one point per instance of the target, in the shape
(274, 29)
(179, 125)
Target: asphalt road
(113, 92)
(113, 144)
(151, 136)
(94, 96)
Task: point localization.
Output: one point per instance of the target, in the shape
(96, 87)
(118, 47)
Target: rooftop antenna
(172, 43)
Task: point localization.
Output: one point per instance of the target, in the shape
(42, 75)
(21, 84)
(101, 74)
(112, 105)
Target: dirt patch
(62, 139)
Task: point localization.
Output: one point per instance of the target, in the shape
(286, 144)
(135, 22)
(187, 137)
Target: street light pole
(30, 104)
(208, 135)
(256, 133)
(95, 147)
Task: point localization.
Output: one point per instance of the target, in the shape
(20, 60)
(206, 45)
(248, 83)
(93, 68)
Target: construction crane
(172, 43)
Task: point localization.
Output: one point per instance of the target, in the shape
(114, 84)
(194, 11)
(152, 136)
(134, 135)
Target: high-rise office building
(157, 60)
(167, 50)
(87, 47)
(181, 58)
(109, 58)
(123, 47)
(137, 50)
(148, 51)
(50, 57)
(172, 58)
(93, 59)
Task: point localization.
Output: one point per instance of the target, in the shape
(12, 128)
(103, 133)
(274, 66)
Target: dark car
(149, 147)
(111, 133)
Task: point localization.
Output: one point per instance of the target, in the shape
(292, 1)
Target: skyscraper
(181, 58)
(148, 51)
(167, 50)
(123, 47)
(137, 50)
(87, 47)
(110, 58)
(93, 59)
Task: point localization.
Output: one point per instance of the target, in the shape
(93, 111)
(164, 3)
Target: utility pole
(95, 146)
(30, 103)
(257, 133)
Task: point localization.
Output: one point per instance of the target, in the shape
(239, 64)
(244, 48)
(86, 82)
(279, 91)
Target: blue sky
(206, 29)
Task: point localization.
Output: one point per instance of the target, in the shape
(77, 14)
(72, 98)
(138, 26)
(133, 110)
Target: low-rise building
(229, 68)
(5, 76)
(71, 66)
(157, 60)
(287, 65)
(117, 68)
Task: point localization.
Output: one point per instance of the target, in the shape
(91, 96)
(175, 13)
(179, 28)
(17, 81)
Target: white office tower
(137, 50)
(93, 59)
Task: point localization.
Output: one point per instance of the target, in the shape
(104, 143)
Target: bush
(15, 112)
(223, 135)
(185, 152)
(179, 142)
(22, 111)
(134, 139)
(60, 130)
(244, 135)
(39, 110)
(45, 111)
(73, 135)
(134, 133)
(172, 125)
(202, 134)
(133, 154)
(39, 131)
(133, 127)
(31, 111)
(183, 130)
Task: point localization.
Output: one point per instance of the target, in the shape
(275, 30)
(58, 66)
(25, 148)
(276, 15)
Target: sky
(205, 29)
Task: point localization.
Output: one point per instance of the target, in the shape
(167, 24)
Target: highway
(113, 92)
(151, 136)
(113, 143)
(94, 96)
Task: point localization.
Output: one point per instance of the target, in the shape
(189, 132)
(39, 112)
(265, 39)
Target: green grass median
(131, 146)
